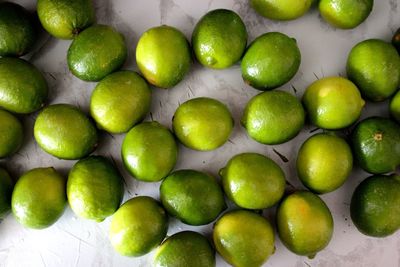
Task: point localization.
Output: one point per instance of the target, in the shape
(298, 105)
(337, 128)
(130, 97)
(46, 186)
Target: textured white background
(76, 242)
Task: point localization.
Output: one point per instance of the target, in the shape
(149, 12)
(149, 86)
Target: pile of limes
(253, 182)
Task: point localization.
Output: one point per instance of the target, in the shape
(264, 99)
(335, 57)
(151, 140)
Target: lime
(94, 188)
(96, 52)
(149, 151)
(64, 19)
(185, 249)
(281, 9)
(273, 117)
(138, 226)
(253, 181)
(6, 188)
(374, 66)
(219, 39)
(11, 134)
(244, 238)
(396, 40)
(305, 224)
(375, 206)
(119, 101)
(17, 31)
(39, 198)
(271, 60)
(193, 197)
(202, 123)
(376, 145)
(163, 56)
(64, 131)
(324, 162)
(345, 14)
(23, 89)
(394, 107)
(333, 103)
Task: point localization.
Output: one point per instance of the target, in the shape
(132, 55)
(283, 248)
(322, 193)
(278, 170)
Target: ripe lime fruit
(273, 117)
(193, 197)
(138, 226)
(394, 107)
(202, 123)
(253, 181)
(324, 162)
(281, 9)
(6, 189)
(244, 238)
(11, 134)
(333, 103)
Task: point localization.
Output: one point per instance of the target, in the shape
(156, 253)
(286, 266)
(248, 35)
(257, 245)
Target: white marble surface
(76, 242)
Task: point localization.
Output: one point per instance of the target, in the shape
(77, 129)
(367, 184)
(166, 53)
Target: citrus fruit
(163, 56)
(324, 162)
(244, 238)
(185, 249)
(65, 132)
(305, 223)
(6, 188)
(375, 206)
(96, 52)
(219, 39)
(345, 14)
(333, 103)
(23, 89)
(39, 198)
(273, 117)
(396, 40)
(394, 107)
(202, 123)
(11, 134)
(281, 9)
(17, 31)
(193, 197)
(253, 181)
(64, 19)
(119, 101)
(149, 151)
(376, 145)
(270, 61)
(138, 226)
(374, 66)
(94, 188)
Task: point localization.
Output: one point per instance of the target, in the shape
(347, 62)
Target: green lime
(394, 107)
(202, 123)
(149, 151)
(193, 197)
(119, 101)
(396, 40)
(64, 19)
(273, 117)
(138, 226)
(253, 181)
(324, 162)
(271, 60)
(6, 189)
(185, 249)
(219, 39)
(96, 52)
(163, 55)
(376, 145)
(374, 66)
(94, 188)
(23, 89)
(281, 9)
(305, 223)
(11, 134)
(39, 198)
(345, 14)
(333, 103)
(375, 206)
(244, 238)
(65, 132)
(17, 30)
